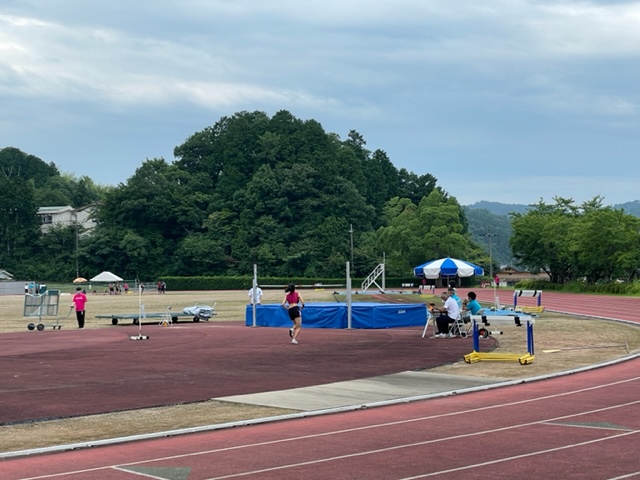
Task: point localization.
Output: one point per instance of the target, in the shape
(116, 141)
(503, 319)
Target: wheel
(31, 326)
(196, 318)
(40, 327)
(135, 321)
(114, 321)
(174, 319)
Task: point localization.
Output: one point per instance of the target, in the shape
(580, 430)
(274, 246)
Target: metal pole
(348, 296)
(490, 235)
(254, 292)
(351, 232)
(77, 263)
(384, 270)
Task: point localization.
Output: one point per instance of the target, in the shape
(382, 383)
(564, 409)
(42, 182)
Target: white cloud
(486, 87)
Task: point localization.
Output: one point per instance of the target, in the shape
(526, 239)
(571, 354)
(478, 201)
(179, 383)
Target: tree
(18, 220)
(431, 230)
(570, 243)
(604, 243)
(16, 164)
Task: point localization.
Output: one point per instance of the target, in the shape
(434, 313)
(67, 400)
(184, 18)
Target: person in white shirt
(257, 297)
(448, 314)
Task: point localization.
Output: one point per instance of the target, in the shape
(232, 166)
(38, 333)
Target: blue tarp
(334, 315)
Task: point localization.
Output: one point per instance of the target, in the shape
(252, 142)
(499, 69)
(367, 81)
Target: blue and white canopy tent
(447, 267)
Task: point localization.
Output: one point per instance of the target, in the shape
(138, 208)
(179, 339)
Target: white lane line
(628, 475)
(517, 457)
(388, 424)
(428, 442)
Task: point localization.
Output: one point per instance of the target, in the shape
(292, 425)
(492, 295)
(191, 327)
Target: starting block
(477, 356)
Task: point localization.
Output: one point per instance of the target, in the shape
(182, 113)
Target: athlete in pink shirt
(294, 302)
(79, 301)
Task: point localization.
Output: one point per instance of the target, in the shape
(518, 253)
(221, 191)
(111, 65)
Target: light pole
(490, 235)
(75, 216)
(351, 232)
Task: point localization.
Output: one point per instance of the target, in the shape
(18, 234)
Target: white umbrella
(447, 267)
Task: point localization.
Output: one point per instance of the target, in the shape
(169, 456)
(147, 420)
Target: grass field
(551, 332)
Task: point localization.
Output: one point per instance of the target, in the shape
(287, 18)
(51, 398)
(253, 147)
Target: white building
(67, 216)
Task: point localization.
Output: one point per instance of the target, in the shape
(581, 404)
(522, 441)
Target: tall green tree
(19, 224)
(588, 243)
(433, 229)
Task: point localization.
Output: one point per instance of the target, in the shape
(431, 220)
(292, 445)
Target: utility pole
(75, 215)
(490, 235)
(351, 232)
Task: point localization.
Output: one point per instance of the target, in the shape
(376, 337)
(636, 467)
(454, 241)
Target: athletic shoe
(294, 341)
(291, 332)
(440, 335)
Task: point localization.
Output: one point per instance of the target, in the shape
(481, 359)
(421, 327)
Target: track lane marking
(340, 457)
(444, 439)
(518, 457)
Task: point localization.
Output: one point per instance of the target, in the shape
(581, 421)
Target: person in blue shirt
(471, 305)
(454, 295)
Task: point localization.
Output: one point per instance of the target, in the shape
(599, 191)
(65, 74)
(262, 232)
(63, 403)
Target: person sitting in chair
(470, 306)
(448, 314)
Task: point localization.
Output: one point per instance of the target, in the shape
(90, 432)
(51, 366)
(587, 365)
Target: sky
(509, 101)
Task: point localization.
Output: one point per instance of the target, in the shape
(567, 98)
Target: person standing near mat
(294, 302)
(79, 302)
(255, 296)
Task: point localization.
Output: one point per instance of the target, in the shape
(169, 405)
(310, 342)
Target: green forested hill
(276, 191)
(281, 193)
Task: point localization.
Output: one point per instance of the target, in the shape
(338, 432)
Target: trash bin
(43, 289)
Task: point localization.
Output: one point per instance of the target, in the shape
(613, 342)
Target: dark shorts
(294, 312)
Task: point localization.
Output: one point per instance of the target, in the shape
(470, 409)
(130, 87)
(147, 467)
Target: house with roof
(67, 216)
(512, 275)
(4, 275)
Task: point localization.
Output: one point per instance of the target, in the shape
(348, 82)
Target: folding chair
(459, 328)
(431, 319)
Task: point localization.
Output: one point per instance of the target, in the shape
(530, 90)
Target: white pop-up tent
(106, 277)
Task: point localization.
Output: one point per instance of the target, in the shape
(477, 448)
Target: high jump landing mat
(334, 315)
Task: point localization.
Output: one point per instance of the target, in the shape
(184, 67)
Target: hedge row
(245, 282)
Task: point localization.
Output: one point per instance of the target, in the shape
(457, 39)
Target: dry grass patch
(551, 332)
(115, 425)
(583, 339)
(229, 305)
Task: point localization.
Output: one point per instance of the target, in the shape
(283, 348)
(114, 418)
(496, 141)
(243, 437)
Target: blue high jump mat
(334, 315)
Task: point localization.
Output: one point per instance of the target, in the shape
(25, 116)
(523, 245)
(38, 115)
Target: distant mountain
(491, 221)
(489, 229)
(498, 208)
(631, 208)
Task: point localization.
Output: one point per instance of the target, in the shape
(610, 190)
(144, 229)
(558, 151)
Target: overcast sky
(501, 100)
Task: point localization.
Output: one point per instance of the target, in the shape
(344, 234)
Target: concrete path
(364, 391)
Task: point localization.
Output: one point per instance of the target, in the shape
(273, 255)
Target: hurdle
(527, 294)
(477, 356)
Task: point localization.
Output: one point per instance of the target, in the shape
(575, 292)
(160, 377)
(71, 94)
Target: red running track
(600, 306)
(585, 426)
